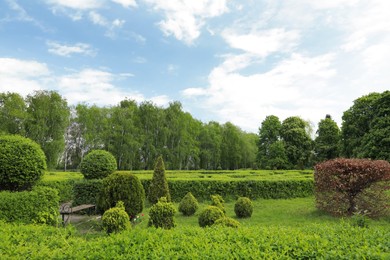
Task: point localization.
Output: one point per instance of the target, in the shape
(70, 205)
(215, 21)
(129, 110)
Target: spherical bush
(243, 207)
(121, 186)
(188, 205)
(115, 220)
(227, 222)
(98, 164)
(209, 215)
(162, 214)
(22, 163)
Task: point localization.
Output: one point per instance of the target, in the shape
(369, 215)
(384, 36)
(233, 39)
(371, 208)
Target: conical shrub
(159, 186)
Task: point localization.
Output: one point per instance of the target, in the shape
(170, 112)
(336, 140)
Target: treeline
(136, 134)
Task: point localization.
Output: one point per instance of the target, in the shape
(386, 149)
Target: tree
(297, 141)
(159, 186)
(230, 147)
(12, 113)
(210, 139)
(48, 118)
(326, 144)
(343, 186)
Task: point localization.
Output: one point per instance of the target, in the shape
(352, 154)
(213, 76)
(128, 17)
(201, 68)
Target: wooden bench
(67, 210)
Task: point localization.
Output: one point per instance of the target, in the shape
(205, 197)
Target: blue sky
(236, 61)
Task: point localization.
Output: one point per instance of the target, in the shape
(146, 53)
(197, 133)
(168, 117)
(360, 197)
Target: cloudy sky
(237, 60)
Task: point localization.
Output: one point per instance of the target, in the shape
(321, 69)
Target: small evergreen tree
(162, 214)
(159, 186)
(188, 205)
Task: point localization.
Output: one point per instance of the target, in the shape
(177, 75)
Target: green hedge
(37, 206)
(310, 242)
(64, 188)
(231, 190)
(87, 191)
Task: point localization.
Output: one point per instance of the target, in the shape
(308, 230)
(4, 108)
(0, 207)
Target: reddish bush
(348, 186)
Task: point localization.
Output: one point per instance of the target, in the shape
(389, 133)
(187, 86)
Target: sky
(224, 60)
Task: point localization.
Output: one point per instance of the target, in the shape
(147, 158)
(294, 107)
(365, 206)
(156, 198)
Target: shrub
(227, 222)
(162, 214)
(22, 163)
(87, 192)
(342, 186)
(125, 187)
(115, 219)
(209, 215)
(217, 201)
(64, 188)
(37, 206)
(159, 186)
(98, 164)
(243, 207)
(188, 205)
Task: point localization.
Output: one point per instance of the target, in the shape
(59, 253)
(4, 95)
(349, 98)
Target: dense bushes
(124, 187)
(87, 192)
(218, 201)
(159, 186)
(162, 214)
(348, 186)
(115, 219)
(243, 207)
(64, 188)
(37, 206)
(227, 222)
(209, 215)
(22, 163)
(188, 205)
(98, 164)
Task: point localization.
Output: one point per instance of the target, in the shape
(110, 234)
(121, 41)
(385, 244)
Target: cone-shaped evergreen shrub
(116, 219)
(209, 215)
(125, 187)
(22, 163)
(98, 164)
(243, 207)
(217, 201)
(188, 205)
(162, 214)
(227, 222)
(159, 186)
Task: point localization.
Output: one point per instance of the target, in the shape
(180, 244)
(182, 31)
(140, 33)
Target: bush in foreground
(116, 219)
(162, 214)
(22, 163)
(243, 207)
(98, 164)
(188, 205)
(227, 222)
(209, 215)
(217, 201)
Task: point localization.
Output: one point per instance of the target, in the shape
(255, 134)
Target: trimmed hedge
(87, 191)
(64, 188)
(37, 206)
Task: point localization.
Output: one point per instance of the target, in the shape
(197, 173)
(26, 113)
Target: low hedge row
(37, 206)
(313, 241)
(64, 188)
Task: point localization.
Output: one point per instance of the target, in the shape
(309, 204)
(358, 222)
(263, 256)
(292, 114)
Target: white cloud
(22, 76)
(77, 4)
(126, 3)
(185, 18)
(111, 26)
(98, 19)
(67, 50)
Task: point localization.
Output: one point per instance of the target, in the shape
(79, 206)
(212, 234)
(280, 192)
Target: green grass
(62, 176)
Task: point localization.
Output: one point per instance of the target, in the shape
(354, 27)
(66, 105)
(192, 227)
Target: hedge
(87, 191)
(64, 188)
(37, 206)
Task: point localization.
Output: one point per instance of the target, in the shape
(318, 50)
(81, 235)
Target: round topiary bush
(162, 214)
(209, 215)
(227, 222)
(188, 205)
(125, 187)
(22, 163)
(115, 219)
(98, 164)
(243, 207)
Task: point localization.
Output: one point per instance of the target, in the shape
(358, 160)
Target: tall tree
(269, 133)
(48, 118)
(12, 113)
(210, 139)
(231, 147)
(326, 144)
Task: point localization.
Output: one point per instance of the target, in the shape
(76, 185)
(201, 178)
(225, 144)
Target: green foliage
(227, 222)
(12, 113)
(218, 201)
(209, 216)
(159, 186)
(37, 206)
(22, 163)
(342, 186)
(116, 219)
(243, 207)
(162, 214)
(326, 144)
(98, 164)
(87, 192)
(188, 205)
(64, 188)
(124, 187)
